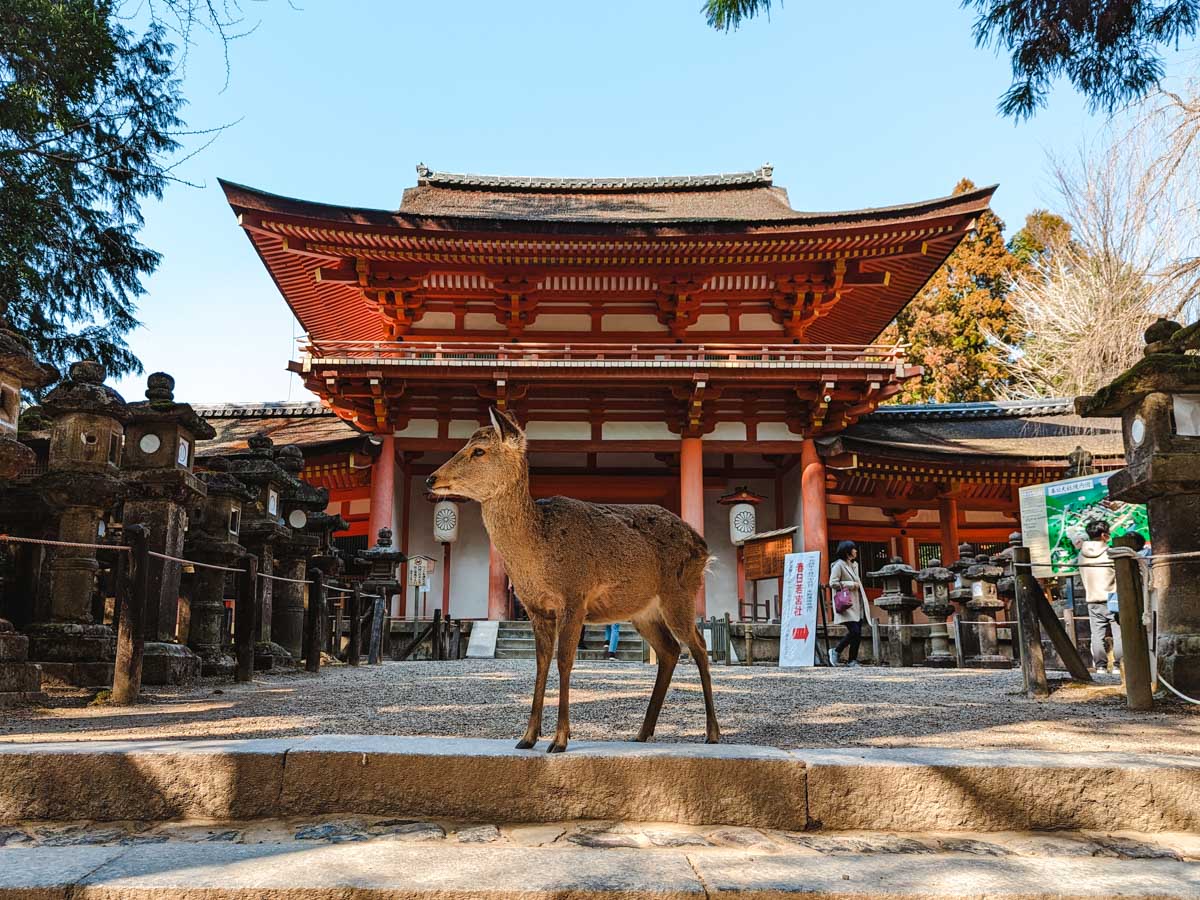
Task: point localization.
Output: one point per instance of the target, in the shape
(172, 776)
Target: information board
(798, 628)
(1051, 513)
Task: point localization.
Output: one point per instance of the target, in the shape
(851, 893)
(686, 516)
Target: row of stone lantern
(100, 455)
(970, 583)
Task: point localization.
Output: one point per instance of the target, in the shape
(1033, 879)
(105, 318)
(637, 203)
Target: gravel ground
(489, 698)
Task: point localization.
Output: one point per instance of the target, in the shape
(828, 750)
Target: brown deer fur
(573, 562)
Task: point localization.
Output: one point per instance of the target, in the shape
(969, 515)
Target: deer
(572, 562)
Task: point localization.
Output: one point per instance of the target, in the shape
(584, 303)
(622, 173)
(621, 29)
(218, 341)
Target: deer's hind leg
(543, 640)
(666, 648)
(685, 630)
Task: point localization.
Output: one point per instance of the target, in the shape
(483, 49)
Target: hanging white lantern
(742, 518)
(445, 521)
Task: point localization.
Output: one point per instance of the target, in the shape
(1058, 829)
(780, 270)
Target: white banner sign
(798, 628)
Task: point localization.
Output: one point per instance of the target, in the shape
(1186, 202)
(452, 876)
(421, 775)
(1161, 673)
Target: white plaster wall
(924, 516)
(419, 428)
(866, 514)
(469, 557)
(561, 322)
(720, 585)
(631, 322)
(776, 431)
(559, 431)
(463, 428)
(435, 321)
(757, 322)
(637, 431)
(728, 431)
(991, 516)
(712, 322)
(482, 322)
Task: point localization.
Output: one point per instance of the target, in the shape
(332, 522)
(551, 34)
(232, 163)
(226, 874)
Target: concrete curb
(357, 871)
(695, 784)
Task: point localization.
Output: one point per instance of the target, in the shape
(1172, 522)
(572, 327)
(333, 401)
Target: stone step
(221, 871)
(885, 789)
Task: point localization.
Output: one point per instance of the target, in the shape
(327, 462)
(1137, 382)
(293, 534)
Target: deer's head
(492, 461)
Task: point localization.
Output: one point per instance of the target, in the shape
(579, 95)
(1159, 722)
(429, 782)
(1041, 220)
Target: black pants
(852, 638)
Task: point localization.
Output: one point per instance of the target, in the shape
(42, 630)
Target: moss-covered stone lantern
(82, 482)
(898, 602)
(300, 502)
(935, 581)
(1158, 400)
(160, 488)
(981, 579)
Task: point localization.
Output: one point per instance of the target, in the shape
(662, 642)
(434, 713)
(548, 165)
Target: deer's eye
(477, 452)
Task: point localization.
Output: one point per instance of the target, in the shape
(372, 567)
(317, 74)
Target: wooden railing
(590, 354)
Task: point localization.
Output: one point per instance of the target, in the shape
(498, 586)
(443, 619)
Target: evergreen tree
(88, 114)
(1110, 51)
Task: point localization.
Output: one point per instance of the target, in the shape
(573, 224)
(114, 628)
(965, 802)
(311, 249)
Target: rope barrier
(1177, 693)
(191, 562)
(24, 540)
(281, 578)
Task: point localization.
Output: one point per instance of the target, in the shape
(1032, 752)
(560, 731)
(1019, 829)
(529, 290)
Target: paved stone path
(489, 698)
(649, 837)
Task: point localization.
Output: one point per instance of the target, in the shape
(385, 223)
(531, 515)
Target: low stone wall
(764, 641)
(903, 790)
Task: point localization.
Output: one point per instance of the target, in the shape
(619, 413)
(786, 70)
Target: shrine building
(662, 340)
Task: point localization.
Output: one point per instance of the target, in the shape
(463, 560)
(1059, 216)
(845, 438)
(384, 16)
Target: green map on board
(1071, 505)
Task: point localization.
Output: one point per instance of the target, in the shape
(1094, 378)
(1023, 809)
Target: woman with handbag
(849, 602)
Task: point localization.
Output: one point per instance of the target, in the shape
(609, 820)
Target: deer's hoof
(526, 743)
(556, 747)
(713, 738)
(642, 738)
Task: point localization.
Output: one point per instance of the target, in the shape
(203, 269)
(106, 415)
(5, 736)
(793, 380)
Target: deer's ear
(506, 426)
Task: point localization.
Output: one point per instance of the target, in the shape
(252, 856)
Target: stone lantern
(935, 581)
(382, 561)
(83, 480)
(1158, 400)
(263, 529)
(160, 489)
(300, 501)
(742, 515)
(981, 579)
(213, 537)
(20, 680)
(898, 603)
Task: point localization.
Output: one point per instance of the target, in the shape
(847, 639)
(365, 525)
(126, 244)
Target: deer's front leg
(543, 640)
(570, 629)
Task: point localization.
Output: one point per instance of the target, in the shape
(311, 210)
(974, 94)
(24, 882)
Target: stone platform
(694, 784)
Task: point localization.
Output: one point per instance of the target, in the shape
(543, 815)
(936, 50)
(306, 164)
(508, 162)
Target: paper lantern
(742, 517)
(445, 522)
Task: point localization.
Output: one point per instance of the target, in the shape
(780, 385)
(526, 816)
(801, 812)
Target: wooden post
(354, 651)
(1135, 663)
(456, 639)
(748, 635)
(375, 648)
(1067, 651)
(1029, 632)
(132, 585)
(339, 616)
(436, 648)
(959, 654)
(728, 641)
(315, 614)
(245, 615)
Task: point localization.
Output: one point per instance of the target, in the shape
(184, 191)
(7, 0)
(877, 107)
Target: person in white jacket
(1099, 584)
(843, 574)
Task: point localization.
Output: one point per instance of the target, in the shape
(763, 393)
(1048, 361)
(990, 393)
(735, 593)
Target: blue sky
(854, 103)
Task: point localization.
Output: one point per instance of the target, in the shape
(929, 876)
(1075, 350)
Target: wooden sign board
(764, 558)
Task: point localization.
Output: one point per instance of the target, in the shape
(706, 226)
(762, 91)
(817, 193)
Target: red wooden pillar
(497, 596)
(812, 501)
(446, 580)
(383, 490)
(948, 519)
(691, 495)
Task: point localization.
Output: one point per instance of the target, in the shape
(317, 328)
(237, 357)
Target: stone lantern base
(72, 653)
(268, 655)
(164, 662)
(939, 655)
(20, 680)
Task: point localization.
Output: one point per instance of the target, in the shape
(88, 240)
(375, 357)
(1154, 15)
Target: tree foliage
(957, 326)
(1110, 50)
(88, 114)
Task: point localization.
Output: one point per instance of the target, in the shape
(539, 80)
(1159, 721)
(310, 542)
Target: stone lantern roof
(84, 391)
(160, 406)
(935, 573)
(16, 356)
